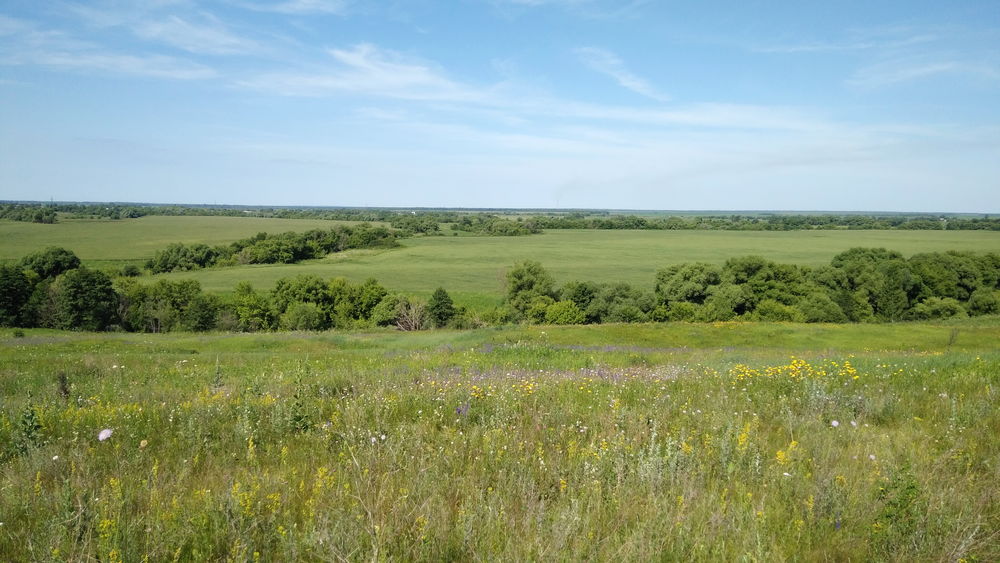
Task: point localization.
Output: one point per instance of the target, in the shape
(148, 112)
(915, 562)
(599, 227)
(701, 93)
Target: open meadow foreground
(724, 441)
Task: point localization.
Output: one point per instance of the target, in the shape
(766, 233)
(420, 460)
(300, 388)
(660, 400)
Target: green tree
(15, 290)
(253, 310)
(303, 316)
(565, 312)
(83, 299)
(440, 308)
(50, 262)
(984, 301)
(526, 282)
(690, 283)
(937, 308)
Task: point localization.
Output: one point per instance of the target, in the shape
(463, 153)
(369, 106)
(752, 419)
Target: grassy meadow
(106, 242)
(473, 269)
(631, 442)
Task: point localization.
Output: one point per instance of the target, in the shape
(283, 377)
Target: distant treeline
(284, 248)
(765, 222)
(51, 289)
(493, 223)
(859, 285)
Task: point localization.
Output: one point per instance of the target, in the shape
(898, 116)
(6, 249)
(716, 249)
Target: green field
(106, 242)
(720, 442)
(473, 268)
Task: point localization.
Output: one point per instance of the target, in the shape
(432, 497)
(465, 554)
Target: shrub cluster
(262, 248)
(859, 285)
(51, 289)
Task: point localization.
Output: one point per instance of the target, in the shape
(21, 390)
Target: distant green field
(104, 242)
(473, 268)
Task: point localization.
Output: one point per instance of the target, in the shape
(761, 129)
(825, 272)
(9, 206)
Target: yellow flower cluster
(796, 369)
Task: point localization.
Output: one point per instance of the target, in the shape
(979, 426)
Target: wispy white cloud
(608, 63)
(597, 9)
(300, 7)
(23, 43)
(889, 72)
(369, 70)
(167, 22)
(210, 37)
(859, 41)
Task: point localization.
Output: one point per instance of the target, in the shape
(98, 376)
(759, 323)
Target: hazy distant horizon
(508, 209)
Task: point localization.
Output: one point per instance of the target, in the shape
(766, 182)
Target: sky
(747, 105)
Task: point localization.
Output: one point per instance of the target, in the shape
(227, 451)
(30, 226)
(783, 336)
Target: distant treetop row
(516, 222)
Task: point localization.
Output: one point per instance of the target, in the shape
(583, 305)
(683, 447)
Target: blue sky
(846, 106)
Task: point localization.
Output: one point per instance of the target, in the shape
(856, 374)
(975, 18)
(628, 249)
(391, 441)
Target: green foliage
(527, 282)
(166, 305)
(937, 308)
(50, 262)
(689, 283)
(538, 308)
(15, 290)
(565, 312)
(440, 308)
(775, 311)
(304, 316)
(387, 310)
(253, 310)
(620, 302)
(81, 299)
(819, 307)
(682, 311)
(984, 301)
(262, 248)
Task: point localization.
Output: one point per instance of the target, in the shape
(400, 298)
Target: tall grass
(501, 444)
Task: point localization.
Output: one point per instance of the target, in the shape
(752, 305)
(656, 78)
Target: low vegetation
(520, 444)
(51, 289)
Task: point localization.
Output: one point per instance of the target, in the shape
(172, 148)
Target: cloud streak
(608, 63)
(211, 38)
(301, 7)
(23, 43)
(369, 70)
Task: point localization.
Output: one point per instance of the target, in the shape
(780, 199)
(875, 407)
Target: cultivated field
(625, 442)
(473, 268)
(470, 268)
(101, 242)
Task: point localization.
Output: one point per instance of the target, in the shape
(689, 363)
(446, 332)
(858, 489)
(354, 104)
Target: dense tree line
(262, 248)
(765, 222)
(513, 223)
(27, 213)
(859, 285)
(50, 288)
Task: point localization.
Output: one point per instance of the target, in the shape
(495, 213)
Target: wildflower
(834, 423)
(462, 409)
(854, 423)
(787, 474)
(143, 444)
(55, 457)
(871, 457)
(104, 434)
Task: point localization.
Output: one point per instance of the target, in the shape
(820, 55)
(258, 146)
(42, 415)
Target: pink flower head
(104, 434)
